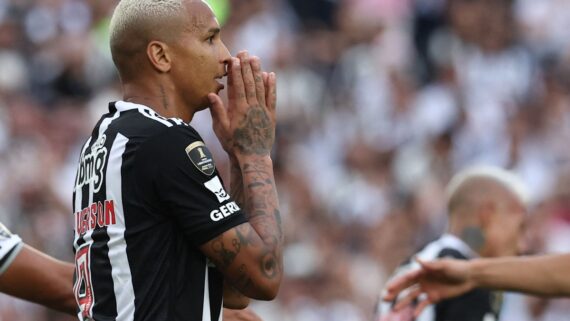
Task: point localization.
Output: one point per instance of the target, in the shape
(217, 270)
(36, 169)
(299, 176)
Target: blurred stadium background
(380, 102)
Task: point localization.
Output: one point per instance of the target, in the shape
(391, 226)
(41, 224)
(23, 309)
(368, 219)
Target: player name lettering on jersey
(91, 165)
(97, 214)
(224, 211)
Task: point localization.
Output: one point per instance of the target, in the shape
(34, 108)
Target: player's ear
(158, 54)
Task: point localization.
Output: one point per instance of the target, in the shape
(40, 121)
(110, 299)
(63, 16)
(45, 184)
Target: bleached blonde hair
(136, 22)
(504, 178)
(132, 14)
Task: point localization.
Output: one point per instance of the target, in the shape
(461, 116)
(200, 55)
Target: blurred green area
(221, 8)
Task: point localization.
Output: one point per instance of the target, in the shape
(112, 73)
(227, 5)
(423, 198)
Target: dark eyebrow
(214, 31)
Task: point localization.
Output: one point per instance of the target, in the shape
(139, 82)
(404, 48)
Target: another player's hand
(240, 315)
(434, 281)
(247, 125)
(404, 314)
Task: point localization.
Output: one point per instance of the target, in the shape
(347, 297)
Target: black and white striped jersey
(10, 246)
(476, 305)
(146, 195)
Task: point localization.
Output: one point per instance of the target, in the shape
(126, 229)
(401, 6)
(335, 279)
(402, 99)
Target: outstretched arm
(443, 279)
(39, 278)
(540, 275)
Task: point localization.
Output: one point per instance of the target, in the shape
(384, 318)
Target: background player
(156, 233)
(486, 212)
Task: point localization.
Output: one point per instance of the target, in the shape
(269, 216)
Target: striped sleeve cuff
(9, 249)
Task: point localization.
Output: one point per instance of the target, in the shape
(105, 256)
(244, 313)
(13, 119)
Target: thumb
(218, 111)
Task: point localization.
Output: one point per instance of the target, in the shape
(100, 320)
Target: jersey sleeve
(476, 305)
(10, 246)
(187, 184)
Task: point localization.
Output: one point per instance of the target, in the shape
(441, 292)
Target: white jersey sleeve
(10, 246)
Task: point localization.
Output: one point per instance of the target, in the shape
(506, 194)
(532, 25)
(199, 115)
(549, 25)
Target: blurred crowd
(380, 103)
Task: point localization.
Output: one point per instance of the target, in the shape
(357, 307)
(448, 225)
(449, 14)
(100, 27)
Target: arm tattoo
(255, 134)
(262, 209)
(225, 256)
(236, 183)
(269, 265)
(244, 281)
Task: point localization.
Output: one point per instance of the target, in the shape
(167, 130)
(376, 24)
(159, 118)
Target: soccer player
(156, 233)
(486, 207)
(31, 275)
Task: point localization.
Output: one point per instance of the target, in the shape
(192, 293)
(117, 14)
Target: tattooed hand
(249, 255)
(247, 126)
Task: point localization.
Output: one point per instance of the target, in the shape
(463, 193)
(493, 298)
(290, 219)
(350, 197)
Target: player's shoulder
(446, 246)
(441, 247)
(135, 120)
(179, 134)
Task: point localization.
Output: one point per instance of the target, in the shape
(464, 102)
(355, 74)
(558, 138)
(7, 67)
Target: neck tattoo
(164, 99)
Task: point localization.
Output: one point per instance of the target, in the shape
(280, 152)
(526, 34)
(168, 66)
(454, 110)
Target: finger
(432, 267)
(271, 91)
(235, 83)
(248, 80)
(400, 283)
(218, 112)
(258, 78)
(409, 298)
(265, 77)
(230, 80)
(421, 306)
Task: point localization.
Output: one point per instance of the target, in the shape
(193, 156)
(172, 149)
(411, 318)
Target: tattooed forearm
(225, 255)
(246, 236)
(269, 266)
(262, 210)
(236, 183)
(244, 281)
(262, 206)
(255, 134)
(277, 216)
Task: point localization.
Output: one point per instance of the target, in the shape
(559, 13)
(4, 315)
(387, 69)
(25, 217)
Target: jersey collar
(122, 106)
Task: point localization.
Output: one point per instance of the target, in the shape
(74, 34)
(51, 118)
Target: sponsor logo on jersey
(201, 157)
(215, 186)
(91, 165)
(224, 211)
